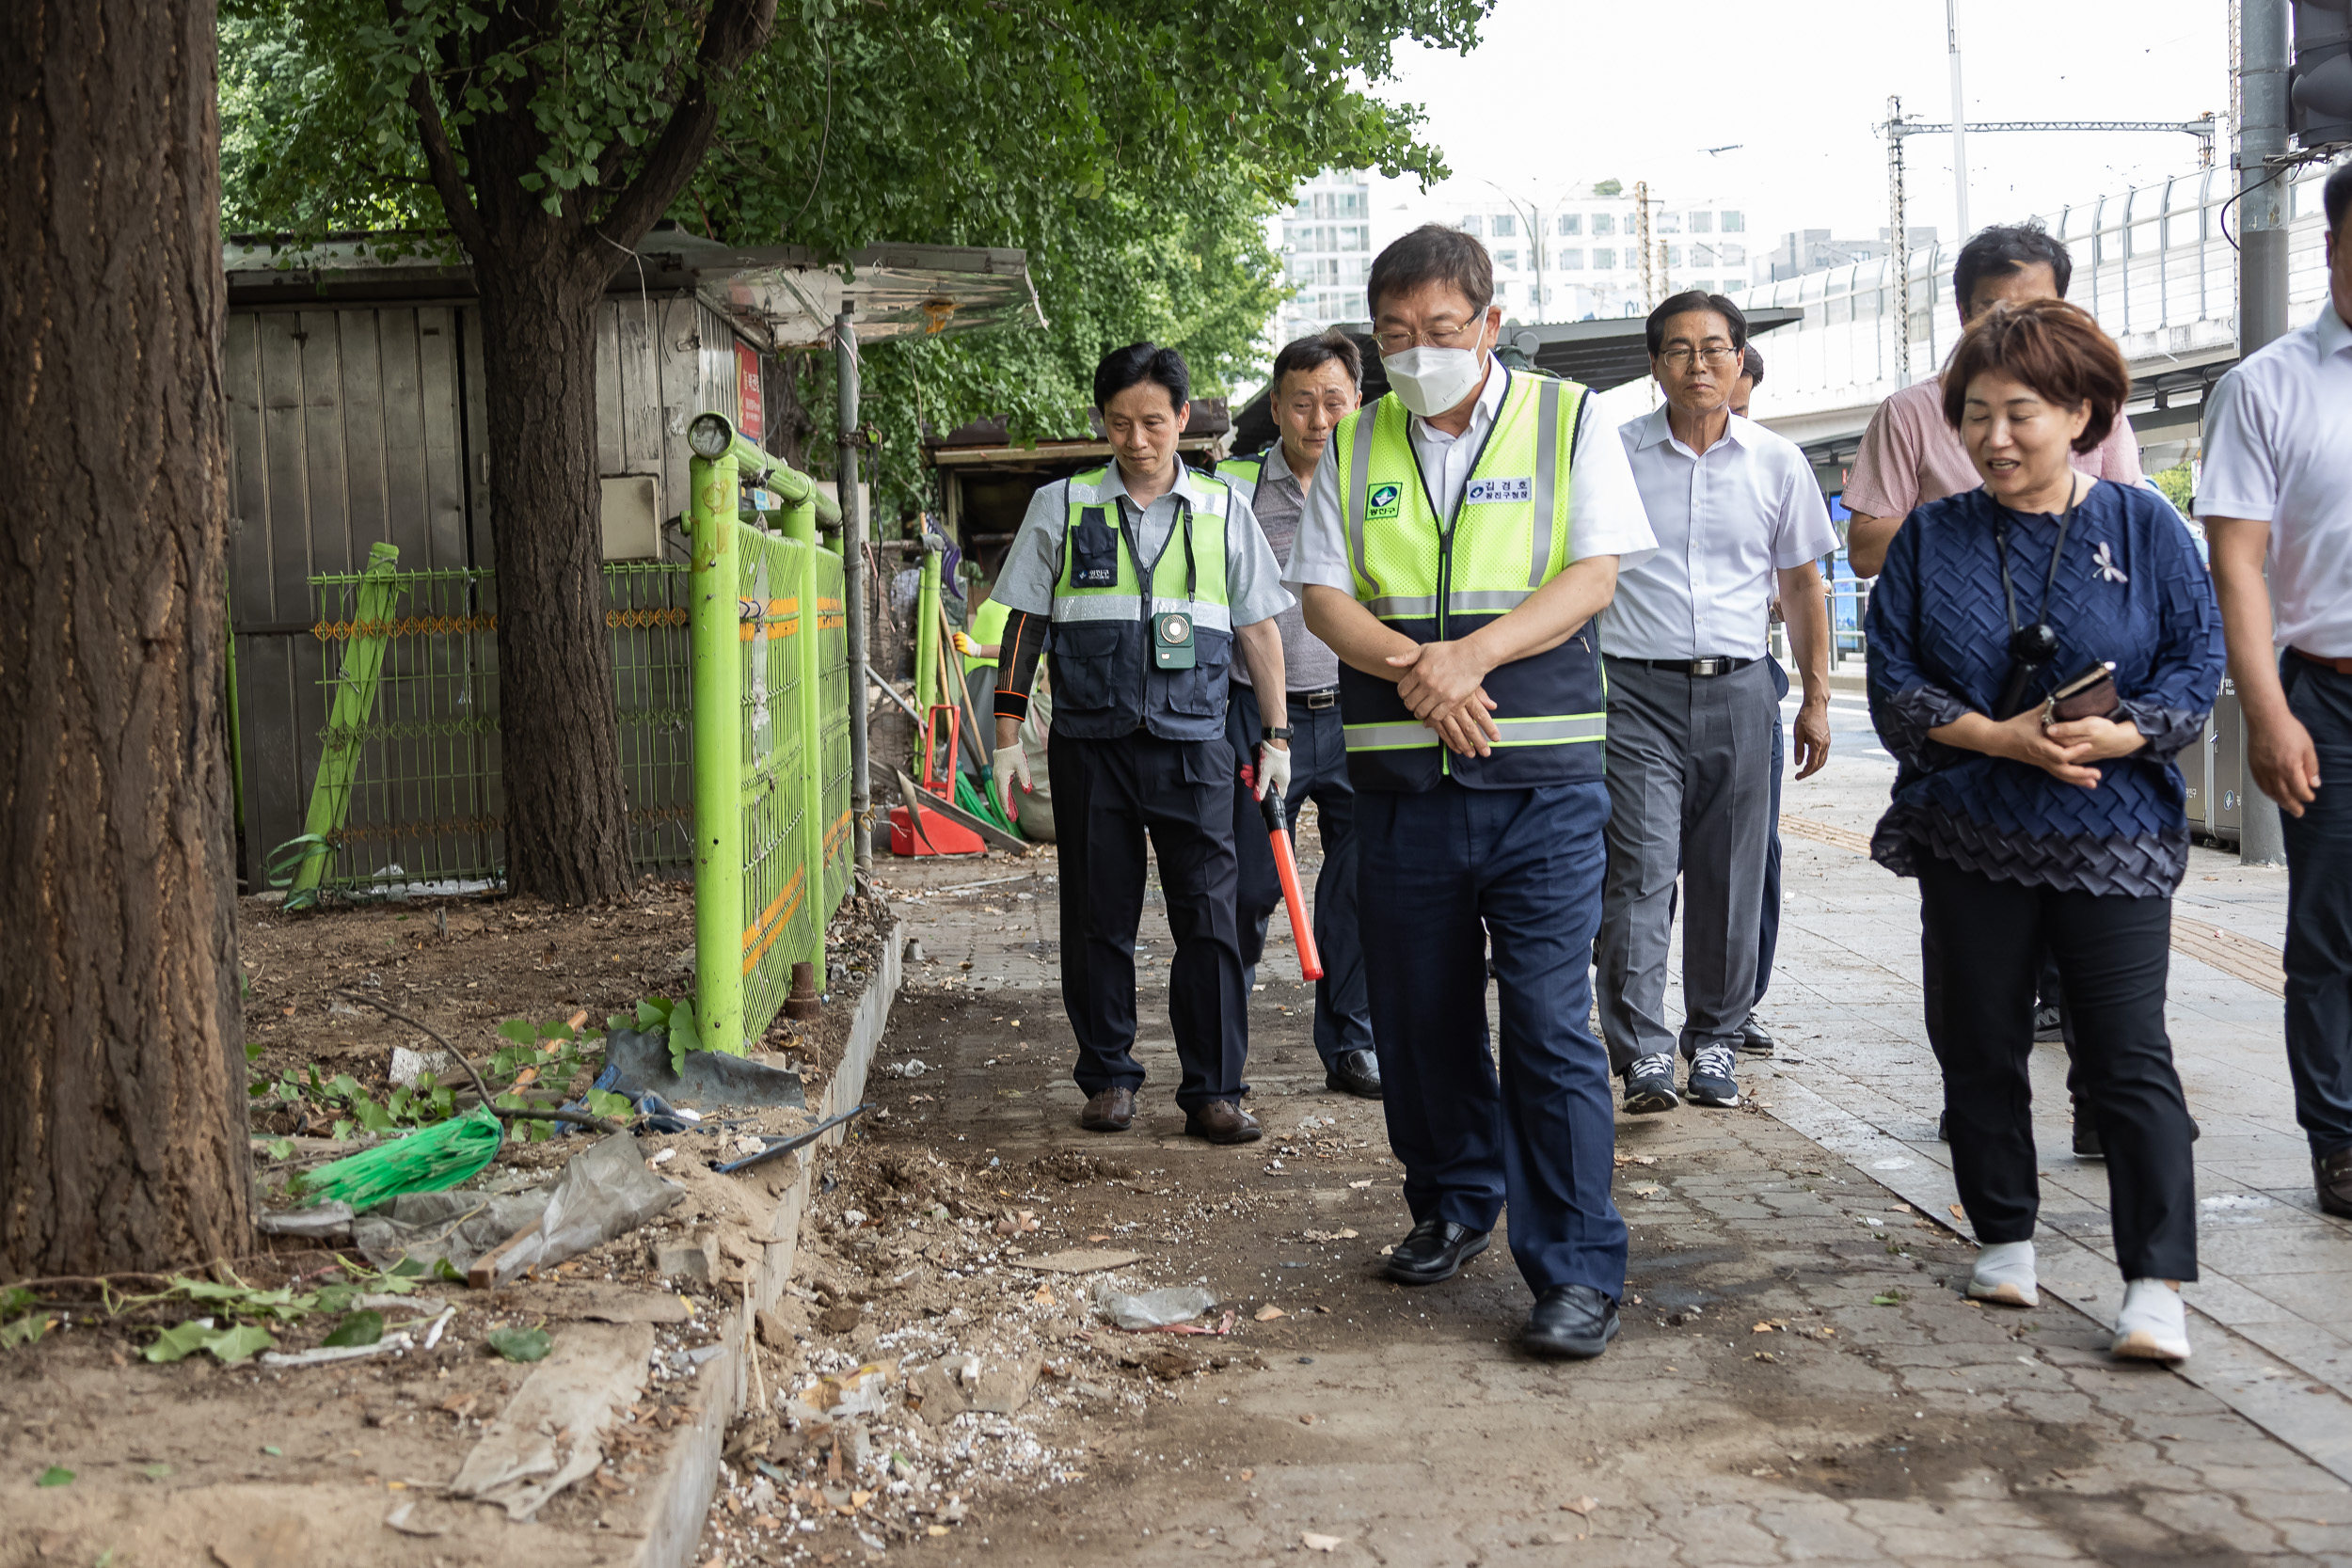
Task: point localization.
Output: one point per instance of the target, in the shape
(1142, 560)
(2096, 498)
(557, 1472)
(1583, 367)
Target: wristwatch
(1277, 731)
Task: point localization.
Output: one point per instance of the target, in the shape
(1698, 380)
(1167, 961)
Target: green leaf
(612, 1106)
(156, 1472)
(653, 1012)
(24, 1330)
(363, 1327)
(253, 1050)
(274, 1450)
(180, 1341)
(56, 1475)
(1892, 1298)
(239, 1343)
(520, 1032)
(281, 1150)
(408, 1268)
(520, 1344)
(445, 1270)
(15, 1299)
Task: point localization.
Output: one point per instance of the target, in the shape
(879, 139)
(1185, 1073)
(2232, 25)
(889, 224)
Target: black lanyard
(2029, 648)
(1144, 580)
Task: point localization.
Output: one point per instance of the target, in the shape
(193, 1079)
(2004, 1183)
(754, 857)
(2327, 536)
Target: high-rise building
(1576, 256)
(1327, 251)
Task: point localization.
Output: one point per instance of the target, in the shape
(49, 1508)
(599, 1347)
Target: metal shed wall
(353, 422)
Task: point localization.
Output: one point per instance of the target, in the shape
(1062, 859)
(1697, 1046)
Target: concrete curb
(681, 1493)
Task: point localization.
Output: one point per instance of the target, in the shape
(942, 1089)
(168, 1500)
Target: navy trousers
(1318, 773)
(1107, 794)
(1441, 877)
(2319, 912)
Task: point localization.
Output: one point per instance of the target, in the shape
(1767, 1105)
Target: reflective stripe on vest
(1122, 600)
(1515, 732)
(1245, 474)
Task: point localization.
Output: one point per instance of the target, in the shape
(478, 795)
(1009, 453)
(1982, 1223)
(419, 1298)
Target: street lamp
(1534, 218)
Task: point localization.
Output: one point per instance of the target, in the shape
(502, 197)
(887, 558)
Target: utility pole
(2262, 278)
(1898, 243)
(1640, 242)
(1960, 117)
(853, 585)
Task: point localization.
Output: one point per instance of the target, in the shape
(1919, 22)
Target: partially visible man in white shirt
(2278, 487)
(1692, 704)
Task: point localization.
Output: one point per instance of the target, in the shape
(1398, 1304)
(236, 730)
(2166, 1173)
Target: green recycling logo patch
(1383, 500)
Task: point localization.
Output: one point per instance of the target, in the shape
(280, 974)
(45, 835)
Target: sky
(1560, 93)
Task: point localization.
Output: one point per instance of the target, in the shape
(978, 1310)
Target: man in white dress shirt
(2278, 485)
(1691, 705)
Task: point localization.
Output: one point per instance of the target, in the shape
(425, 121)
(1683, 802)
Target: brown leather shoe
(1112, 1111)
(2332, 1174)
(1223, 1121)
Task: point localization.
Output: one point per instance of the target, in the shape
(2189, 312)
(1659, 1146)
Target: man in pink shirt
(1910, 456)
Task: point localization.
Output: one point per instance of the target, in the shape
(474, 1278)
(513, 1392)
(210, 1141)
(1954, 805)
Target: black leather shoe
(1434, 1250)
(1571, 1322)
(1754, 1041)
(2087, 1145)
(2332, 1175)
(1356, 1073)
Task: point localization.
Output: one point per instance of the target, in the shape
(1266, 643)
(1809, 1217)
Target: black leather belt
(1691, 666)
(1316, 701)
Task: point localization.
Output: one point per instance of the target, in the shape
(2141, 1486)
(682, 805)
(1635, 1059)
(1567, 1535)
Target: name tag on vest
(1498, 490)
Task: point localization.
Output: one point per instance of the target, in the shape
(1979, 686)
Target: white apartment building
(1576, 256)
(1326, 249)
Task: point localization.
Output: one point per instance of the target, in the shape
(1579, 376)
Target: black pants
(1985, 939)
(1107, 794)
(2319, 912)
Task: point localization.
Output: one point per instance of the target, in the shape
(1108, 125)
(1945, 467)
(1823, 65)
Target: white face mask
(1431, 380)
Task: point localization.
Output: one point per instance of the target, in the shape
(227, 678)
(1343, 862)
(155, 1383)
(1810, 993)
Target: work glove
(1012, 763)
(963, 643)
(1273, 772)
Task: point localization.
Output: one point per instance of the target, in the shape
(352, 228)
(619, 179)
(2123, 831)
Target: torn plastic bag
(1175, 1303)
(605, 1191)
(429, 1228)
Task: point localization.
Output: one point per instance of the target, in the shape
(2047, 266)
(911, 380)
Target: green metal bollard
(799, 526)
(715, 633)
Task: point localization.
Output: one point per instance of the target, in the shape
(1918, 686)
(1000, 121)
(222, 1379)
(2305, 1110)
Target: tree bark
(121, 1123)
(560, 755)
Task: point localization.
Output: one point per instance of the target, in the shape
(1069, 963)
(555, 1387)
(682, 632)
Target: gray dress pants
(1690, 792)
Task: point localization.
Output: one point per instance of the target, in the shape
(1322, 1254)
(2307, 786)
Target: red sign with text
(750, 418)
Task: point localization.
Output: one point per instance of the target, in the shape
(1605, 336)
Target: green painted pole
(927, 637)
(808, 661)
(715, 633)
(355, 701)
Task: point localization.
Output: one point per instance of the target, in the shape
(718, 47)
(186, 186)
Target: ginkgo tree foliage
(1131, 149)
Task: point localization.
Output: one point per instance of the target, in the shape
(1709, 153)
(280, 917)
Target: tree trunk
(121, 1123)
(560, 755)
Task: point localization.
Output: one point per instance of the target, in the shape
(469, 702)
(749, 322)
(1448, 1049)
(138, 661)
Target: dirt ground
(1799, 1378)
(198, 1463)
(461, 966)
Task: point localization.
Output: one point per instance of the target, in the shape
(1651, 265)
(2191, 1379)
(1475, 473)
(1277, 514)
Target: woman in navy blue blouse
(2024, 828)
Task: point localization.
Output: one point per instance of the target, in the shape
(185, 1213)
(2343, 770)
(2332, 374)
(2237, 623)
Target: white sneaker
(2153, 1323)
(2003, 1274)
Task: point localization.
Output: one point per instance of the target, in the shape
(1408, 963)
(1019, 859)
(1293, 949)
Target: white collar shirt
(1727, 520)
(2279, 451)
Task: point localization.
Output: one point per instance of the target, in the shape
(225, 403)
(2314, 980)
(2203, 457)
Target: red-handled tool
(1286, 867)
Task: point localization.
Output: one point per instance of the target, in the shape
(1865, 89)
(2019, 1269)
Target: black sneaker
(2048, 1025)
(1649, 1083)
(1711, 1081)
(1754, 1040)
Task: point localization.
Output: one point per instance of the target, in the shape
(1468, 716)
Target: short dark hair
(1301, 355)
(2336, 196)
(1432, 254)
(1122, 367)
(2005, 248)
(1689, 300)
(1752, 366)
(2053, 347)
